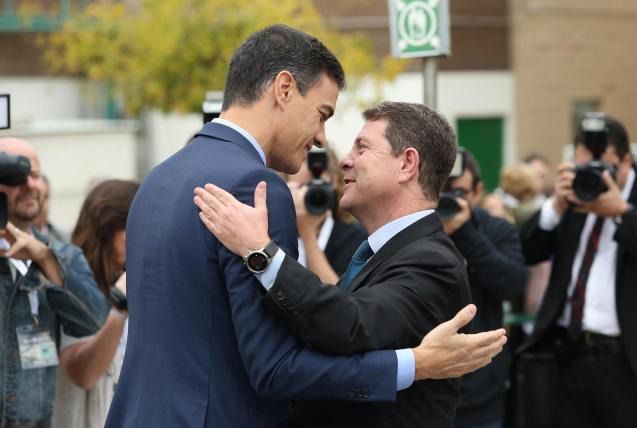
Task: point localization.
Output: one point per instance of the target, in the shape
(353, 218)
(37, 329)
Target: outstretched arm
(241, 227)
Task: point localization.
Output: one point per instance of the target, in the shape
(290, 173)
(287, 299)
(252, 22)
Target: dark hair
(104, 212)
(617, 136)
(469, 163)
(268, 52)
(424, 129)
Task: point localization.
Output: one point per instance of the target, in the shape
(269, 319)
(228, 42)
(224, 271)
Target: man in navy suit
(203, 351)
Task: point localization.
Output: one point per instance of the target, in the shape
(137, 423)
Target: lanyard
(22, 266)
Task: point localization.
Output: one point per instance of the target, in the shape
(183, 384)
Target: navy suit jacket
(203, 350)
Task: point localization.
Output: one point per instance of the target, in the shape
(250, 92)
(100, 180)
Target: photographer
(495, 265)
(328, 236)
(46, 284)
(588, 315)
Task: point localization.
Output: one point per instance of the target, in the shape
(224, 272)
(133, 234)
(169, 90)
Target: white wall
(35, 98)
(51, 114)
(74, 155)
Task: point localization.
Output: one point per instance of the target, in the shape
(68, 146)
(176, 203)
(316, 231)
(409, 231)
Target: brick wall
(567, 50)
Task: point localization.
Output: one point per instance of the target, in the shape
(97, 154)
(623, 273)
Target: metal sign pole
(430, 72)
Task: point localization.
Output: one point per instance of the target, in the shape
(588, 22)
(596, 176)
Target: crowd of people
(252, 307)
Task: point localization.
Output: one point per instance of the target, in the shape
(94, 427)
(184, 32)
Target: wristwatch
(120, 301)
(258, 260)
(619, 218)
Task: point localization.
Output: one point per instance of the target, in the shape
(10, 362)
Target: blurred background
(107, 89)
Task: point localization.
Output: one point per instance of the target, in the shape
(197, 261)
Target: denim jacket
(78, 307)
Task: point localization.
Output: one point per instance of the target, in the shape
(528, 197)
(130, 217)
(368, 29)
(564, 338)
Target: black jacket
(561, 244)
(495, 264)
(342, 243)
(413, 283)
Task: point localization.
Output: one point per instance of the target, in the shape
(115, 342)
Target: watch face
(257, 262)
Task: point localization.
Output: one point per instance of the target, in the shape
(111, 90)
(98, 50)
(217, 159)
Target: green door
(483, 138)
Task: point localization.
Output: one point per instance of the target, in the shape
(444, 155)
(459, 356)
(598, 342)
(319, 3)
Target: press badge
(37, 348)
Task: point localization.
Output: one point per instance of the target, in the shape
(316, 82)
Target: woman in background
(327, 241)
(90, 366)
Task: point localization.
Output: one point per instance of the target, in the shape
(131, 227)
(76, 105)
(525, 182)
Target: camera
(211, 106)
(14, 171)
(447, 204)
(320, 195)
(588, 183)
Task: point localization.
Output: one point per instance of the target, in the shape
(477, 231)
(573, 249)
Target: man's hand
(444, 353)
(307, 224)
(608, 204)
(239, 227)
(454, 223)
(563, 194)
(23, 245)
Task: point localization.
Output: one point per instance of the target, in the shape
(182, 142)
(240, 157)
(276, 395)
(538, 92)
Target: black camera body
(589, 183)
(14, 171)
(447, 204)
(211, 105)
(320, 195)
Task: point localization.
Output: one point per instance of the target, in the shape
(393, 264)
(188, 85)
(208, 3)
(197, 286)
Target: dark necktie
(360, 257)
(579, 293)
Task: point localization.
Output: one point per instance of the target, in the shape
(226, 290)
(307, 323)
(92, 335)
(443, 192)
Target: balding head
(16, 146)
(24, 202)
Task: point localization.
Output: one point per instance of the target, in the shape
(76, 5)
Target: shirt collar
(391, 229)
(245, 133)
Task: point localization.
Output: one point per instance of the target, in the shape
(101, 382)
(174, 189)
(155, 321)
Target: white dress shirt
(600, 313)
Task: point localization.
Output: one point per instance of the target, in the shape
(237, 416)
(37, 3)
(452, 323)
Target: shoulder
(488, 222)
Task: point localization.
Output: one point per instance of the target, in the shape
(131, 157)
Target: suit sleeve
(278, 364)
(494, 257)
(626, 234)
(406, 301)
(537, 244)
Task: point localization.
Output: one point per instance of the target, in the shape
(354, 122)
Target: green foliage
(167, 53)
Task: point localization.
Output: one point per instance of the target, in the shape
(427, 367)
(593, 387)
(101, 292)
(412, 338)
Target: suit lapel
(420, 229)
(219, 131)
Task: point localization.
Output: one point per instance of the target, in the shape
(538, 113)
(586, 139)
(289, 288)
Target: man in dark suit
(497, 273)
(588, 314)
(203, 351)
(409, 279)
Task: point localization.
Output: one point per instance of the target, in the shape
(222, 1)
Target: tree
(167, 53)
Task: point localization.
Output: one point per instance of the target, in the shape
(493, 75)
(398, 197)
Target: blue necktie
(360, 257)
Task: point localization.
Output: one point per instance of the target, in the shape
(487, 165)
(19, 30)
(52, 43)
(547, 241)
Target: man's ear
(410, 166)
(477, 193)
(283, 86)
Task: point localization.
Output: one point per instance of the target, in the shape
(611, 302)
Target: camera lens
(588, 183)
(318, 198)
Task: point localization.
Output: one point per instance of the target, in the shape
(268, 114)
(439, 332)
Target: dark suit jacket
(495, 264)
(416, 281)
(203, 350)
(561, 244)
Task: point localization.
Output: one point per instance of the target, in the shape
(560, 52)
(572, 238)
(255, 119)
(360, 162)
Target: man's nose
(346, 162)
